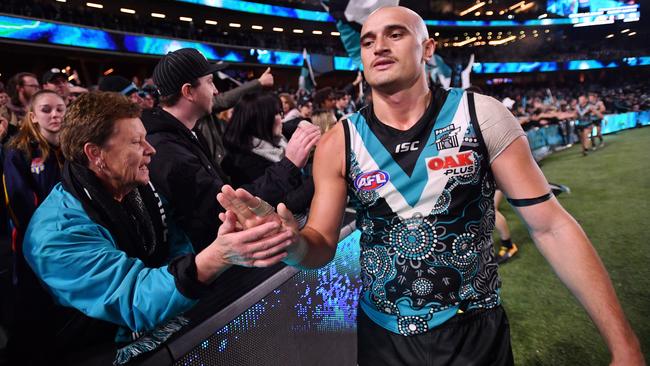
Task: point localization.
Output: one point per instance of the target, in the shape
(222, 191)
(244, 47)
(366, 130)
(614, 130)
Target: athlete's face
(593, 98)
(582, 100)
(394, 48)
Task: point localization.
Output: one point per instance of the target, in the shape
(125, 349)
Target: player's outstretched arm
(566, 247)
(321, 233)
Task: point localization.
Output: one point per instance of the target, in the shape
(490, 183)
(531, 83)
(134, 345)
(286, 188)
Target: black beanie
(179, 67)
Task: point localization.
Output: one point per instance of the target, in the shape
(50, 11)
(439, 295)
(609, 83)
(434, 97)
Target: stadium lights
(521, 3)
(185, 19)
(211, 22)
(317, 32)
(95, 5)
(489, 12)
(502, 12)
(127, 10)
(108, 72)
(299, 31)
(335, 34)
(625, 30)
(525, 7)
(631, 34)
(546, 30)
(502, 41)
(510, 16)
(61, 1)
(542, 16)
(278, 29)
(437, 34)
(467, 41)
(257, 27)
(234, 25)
(472, 8)
(158, 15)
(610, 35)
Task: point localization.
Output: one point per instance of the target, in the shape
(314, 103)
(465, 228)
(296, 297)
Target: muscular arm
(322, 230)
(566, 247)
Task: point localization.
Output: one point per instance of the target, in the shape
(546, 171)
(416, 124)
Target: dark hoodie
(185, 174)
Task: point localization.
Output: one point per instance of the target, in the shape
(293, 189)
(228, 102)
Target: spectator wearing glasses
(20, 88)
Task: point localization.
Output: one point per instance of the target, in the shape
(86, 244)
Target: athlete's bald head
(415, 22)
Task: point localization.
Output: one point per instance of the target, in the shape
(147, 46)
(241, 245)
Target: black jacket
(245, 167)
(185, 174)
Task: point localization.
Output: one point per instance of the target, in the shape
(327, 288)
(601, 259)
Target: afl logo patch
(371, 181)
(37, 166)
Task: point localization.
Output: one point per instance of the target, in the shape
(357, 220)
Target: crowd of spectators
(235, 137)
(197, 142)
(541, 105)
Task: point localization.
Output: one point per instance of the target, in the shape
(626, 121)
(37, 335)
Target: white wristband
(297, 252)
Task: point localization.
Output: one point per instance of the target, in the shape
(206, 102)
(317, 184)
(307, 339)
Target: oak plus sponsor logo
(456, 164)
(446, 138)
(371, 181)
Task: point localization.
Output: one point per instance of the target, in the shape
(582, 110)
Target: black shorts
(581, 126)
(597, 122)
(479, 337)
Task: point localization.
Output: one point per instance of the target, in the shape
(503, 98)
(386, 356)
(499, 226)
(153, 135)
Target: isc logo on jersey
(458, 164)
(371, 181)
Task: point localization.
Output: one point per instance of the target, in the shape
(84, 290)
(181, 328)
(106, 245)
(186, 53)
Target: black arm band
(523, 202)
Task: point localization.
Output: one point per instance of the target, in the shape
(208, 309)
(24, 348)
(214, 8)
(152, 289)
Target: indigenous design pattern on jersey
(426, 247)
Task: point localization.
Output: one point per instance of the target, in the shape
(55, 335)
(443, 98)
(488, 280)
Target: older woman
(104, 247)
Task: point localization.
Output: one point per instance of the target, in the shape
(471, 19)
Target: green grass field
(610, 198)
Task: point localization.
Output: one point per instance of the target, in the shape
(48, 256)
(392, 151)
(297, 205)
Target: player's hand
(239, 203)
(632, 358)
(260, 246)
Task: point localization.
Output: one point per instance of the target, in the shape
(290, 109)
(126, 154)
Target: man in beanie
(122, 85)
(183, 170)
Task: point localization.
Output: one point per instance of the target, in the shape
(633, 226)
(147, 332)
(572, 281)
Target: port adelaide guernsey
(424, 203)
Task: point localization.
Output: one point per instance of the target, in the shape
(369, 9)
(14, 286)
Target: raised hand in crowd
(301, 143)
(266, 80)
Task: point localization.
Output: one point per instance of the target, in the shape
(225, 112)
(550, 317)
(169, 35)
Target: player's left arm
(566, 247)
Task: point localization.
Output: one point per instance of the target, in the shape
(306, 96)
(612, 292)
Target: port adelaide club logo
(446, 138)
